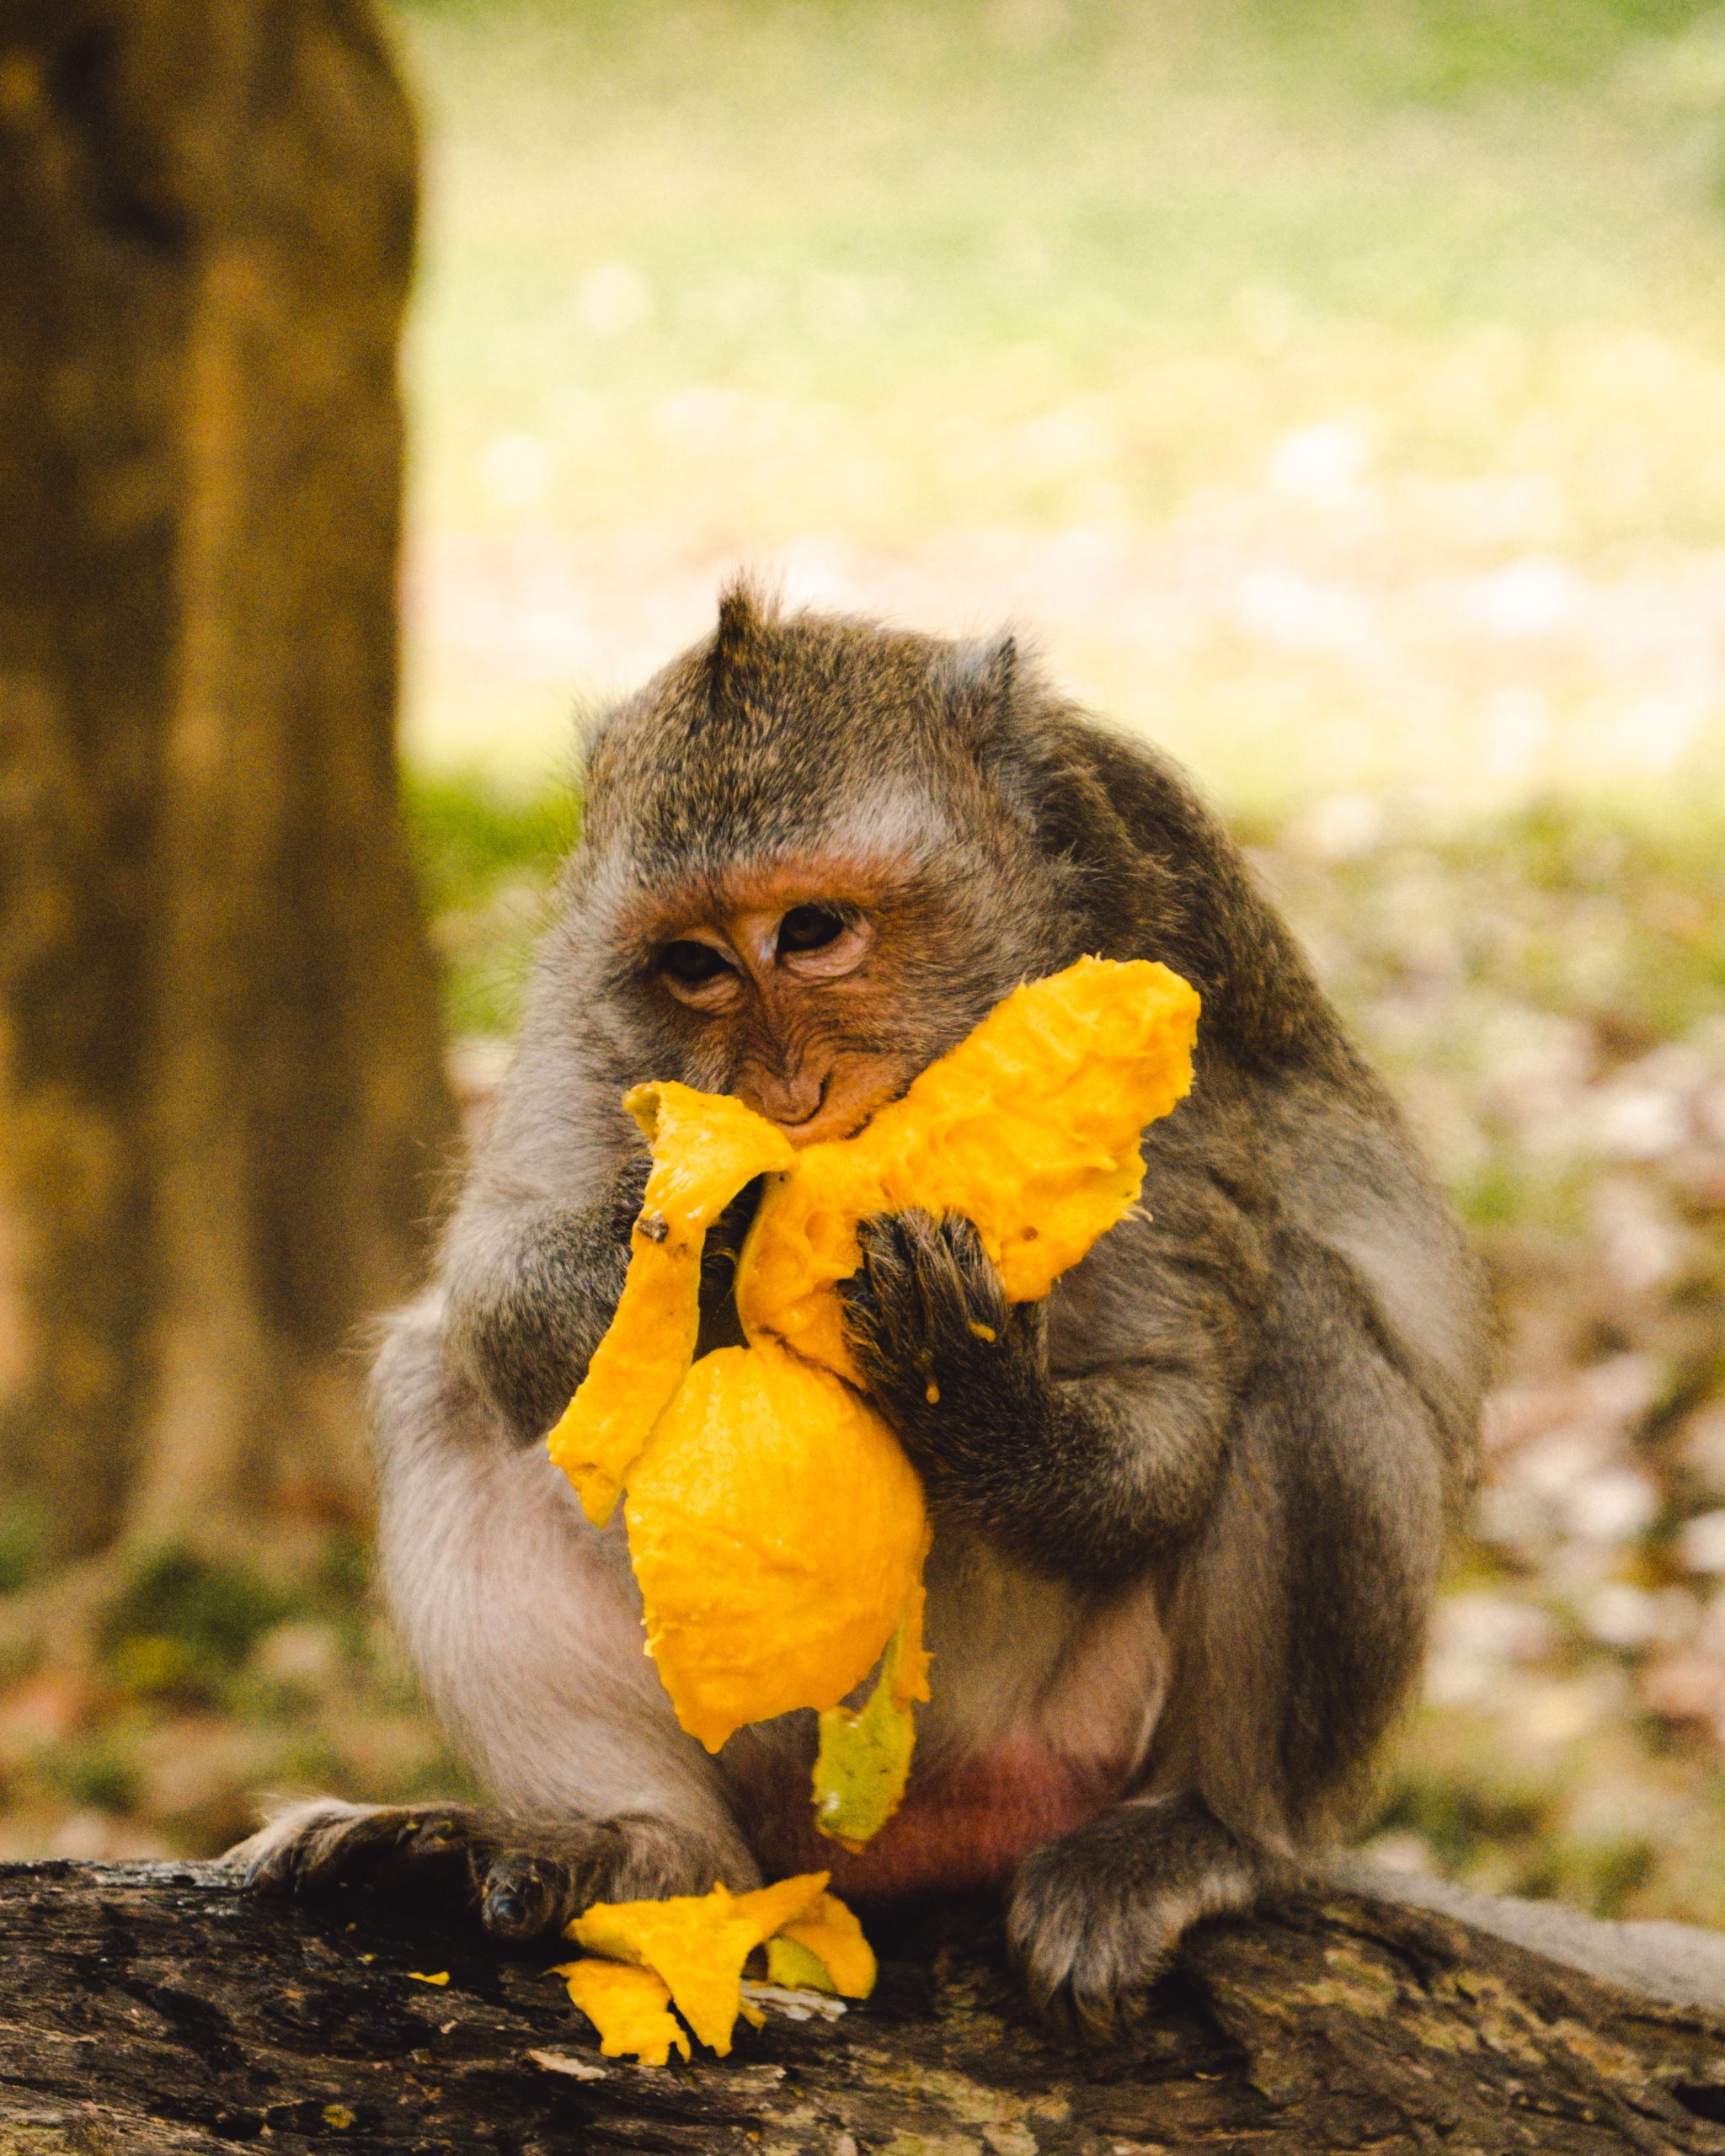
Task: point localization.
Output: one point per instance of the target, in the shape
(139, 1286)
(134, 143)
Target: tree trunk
(221, 1109)
(152, 2011)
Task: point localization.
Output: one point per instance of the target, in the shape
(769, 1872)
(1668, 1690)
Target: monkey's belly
(965, 1828)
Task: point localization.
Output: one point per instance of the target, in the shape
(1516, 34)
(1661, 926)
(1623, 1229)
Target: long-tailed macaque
(1187, 1510)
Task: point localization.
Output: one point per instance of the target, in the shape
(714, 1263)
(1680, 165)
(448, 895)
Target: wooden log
(155, 2007)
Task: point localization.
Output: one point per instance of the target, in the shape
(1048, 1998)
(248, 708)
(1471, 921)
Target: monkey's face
(789, 987)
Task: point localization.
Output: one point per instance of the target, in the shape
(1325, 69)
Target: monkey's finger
(985, 1295)
(889, 1273)
(926, 1248)
(960, 1278)
(963, 1300)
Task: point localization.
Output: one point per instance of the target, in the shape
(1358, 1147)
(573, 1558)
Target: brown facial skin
(786, 987)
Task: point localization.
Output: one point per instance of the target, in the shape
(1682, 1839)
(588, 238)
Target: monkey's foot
(1094, 1918)
(525, 1877)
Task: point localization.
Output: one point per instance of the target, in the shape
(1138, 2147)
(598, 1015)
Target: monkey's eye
(690, 964)
(810, 928)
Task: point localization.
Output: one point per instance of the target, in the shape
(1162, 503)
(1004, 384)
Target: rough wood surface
(155, 2009)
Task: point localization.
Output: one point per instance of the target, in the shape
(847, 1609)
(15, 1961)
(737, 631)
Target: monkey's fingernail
(505, 1909)
(984, 1331)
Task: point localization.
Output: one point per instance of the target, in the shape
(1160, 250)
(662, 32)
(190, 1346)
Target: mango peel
(629, 2007)
(705, 1148)
(1029, 1129)
(777, 1531)
(690, 1950)
(823, 1950)
(863, 1759)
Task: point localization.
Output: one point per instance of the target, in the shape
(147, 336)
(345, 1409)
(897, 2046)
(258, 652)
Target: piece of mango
(698, 1944)
(1029, 1128)
(864, 1758)
(629, 2007)
(705, 1147)
(775, 1530)
(823, 1950)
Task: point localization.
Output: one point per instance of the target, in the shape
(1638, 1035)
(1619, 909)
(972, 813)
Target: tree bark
(221, 1108)
(154, 2009)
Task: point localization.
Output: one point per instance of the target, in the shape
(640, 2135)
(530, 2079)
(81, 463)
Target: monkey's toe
(524, 1877)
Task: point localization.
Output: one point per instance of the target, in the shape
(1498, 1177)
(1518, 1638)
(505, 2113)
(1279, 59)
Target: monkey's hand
(959, 1373)
(1084, 1476)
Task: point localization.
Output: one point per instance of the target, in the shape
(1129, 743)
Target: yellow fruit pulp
(1029, 1128)
(705, 1147)
(698, 1944)
(776, 1530)
(630, 2008)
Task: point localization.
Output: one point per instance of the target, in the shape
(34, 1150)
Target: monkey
(1187, 1509)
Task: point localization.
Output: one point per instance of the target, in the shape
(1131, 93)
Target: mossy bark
(221, 1102)
(151, 2008)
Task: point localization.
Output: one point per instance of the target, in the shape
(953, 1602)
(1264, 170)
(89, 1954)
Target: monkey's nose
(791, 1106)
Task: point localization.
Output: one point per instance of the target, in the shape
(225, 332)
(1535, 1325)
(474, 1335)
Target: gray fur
(1188, 1524)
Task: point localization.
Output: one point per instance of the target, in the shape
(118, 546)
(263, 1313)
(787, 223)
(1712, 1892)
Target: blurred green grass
(487, 856)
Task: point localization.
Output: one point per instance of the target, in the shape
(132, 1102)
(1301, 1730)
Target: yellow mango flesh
(775, 1530)
(629, 2007)
(705, 1147)
(777, 1533)
(698, 1944)
(1029, 1128)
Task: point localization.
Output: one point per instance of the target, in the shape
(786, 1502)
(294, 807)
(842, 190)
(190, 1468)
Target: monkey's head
(810, 864)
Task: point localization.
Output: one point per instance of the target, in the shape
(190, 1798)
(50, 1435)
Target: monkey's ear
(977, 684)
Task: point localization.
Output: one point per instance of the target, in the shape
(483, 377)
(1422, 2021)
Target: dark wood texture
(154, 2009)
(221, 1108)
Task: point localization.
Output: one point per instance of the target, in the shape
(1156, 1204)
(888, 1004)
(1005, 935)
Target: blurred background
(1333, 392)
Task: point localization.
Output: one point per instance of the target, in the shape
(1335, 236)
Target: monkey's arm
(531, 1290)
(1089, 1473)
